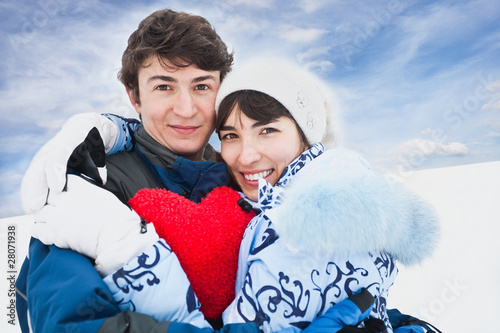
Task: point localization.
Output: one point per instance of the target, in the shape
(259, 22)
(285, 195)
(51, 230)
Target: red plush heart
(205, 237)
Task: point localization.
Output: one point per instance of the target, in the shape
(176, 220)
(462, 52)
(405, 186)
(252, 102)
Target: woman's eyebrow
(227, 128)
(263, 123)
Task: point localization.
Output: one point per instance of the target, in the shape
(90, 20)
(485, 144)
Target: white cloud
(313, 53)
(321, 65)
(10, 204)
(492, 134)
(419, 153)
(396, 84)
(242, 27)
(426, 147)
(255, 3)
(71, 71)
(494, 104)
(418, 33)
(312, 6)
(300, 35)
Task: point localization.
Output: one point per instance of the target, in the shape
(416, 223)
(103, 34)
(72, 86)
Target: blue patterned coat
(328, 228)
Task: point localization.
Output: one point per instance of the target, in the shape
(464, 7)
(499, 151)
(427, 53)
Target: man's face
(177, 106)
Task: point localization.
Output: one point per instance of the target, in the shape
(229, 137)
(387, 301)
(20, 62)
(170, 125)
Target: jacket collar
(153, 151)
(270, 196)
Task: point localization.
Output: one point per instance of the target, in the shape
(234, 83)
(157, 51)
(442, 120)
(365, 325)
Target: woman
(328, 225)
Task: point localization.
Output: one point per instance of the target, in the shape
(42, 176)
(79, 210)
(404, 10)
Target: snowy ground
(457, 289)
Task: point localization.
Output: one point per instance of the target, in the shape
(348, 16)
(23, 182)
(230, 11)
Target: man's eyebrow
(161, 78)
(167, 78)
(203, 78)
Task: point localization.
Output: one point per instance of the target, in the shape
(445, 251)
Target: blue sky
(417, 82)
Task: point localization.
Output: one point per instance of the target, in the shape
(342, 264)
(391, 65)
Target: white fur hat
(298, 91)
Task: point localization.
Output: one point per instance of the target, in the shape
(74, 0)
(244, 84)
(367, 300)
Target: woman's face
(254, 150)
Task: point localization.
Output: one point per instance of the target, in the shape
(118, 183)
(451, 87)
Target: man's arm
(60, 291)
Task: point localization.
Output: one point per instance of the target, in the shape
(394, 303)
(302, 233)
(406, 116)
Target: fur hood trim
(350, 208)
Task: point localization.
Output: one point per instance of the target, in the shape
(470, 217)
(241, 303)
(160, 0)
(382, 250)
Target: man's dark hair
(181, 39)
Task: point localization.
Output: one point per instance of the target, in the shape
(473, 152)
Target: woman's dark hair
(255, 105)
(179, 38)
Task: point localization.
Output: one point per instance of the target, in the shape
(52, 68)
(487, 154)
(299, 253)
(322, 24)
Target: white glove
(92, 221)
(47, 171)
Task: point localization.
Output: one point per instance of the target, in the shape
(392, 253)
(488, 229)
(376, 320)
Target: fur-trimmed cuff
(342, 209)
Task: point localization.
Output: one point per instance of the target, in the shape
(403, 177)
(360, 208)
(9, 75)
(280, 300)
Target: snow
(456, 289)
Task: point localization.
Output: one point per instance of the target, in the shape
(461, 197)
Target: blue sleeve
(230, 328)
(60, 291)
(125, 141)
(349, 312)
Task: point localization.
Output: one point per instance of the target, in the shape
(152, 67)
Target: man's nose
(184, 105)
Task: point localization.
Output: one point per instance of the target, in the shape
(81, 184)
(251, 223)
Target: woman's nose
(249, 154)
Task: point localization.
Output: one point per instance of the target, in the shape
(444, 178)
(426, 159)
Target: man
(171, 69)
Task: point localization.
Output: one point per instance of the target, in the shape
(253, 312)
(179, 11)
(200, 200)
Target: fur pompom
(348, 209)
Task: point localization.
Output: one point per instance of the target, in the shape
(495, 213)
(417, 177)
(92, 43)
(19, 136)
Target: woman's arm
(154, 283)
(283, 288)
(73, 143)
(142, 272)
